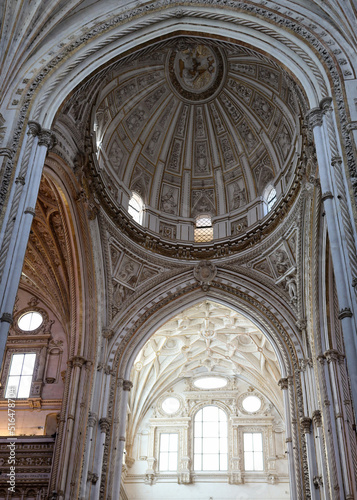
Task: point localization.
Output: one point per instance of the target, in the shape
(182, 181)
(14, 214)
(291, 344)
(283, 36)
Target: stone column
(305, 423)
(235, 468)
(337, 241)
(91, 423)
(321, 479)
(284, 386)
(18, 219)
(334, 359)
(76, 363)
(127, 385)
(184, 474)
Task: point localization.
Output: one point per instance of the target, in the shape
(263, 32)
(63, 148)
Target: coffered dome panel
(197, 128)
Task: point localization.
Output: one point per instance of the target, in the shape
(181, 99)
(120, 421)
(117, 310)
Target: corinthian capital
(104, 424)
(314, 118)
(45, 137)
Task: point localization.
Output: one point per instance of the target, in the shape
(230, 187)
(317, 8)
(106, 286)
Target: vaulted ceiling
(205, 339)
(197, 127)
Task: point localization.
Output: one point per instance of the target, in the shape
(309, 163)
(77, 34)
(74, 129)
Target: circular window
(170, 405)
(30, 321)
(210, 382)
(251, 404)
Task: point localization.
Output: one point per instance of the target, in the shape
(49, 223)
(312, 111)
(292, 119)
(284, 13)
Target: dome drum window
(136, 208)
(203, 229)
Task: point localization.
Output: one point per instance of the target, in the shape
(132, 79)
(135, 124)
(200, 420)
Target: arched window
(270, 196)
(204, 229)
(210, 440)
(136, 208)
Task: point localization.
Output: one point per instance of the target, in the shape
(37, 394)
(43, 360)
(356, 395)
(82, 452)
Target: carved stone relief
(128, 271)
(169, 200)
(237, 194)
(202, 159)
(263, 174)
(203, 202)
(168, 231)
(239, 226)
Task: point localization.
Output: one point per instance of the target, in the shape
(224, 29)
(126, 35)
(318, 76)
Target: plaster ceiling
(206, 339)
(196, 127)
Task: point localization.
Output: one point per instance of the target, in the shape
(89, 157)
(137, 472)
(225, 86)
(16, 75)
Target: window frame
(169, 433)
(13, 354)
(138, 199)
(193, 437)
(200, 230)
(269, 203)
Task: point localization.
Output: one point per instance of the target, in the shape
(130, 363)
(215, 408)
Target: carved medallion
(205, 272)
(195, 71)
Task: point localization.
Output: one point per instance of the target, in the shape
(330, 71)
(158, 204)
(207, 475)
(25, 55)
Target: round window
(251, 404)
(30, 321)
(170, 405)
(210, 382)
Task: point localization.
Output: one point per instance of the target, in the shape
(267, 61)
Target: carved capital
(317, 418)
(127, 385)
(92, 419)
(317, 480)
(104, 424)
(301, 324)
(30, 210)
(326, 104)
(321, 359)
(6, 318)
(304, 363)
(326, 196)
(77, 361)
(92, 478)
(305, 423)
(108, 333)
(345, 313)
(283, 383)
(34, 128)
(45, 137)
(314, 118)
(334, 356)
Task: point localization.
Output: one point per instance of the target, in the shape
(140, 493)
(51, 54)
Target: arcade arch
(276, 283)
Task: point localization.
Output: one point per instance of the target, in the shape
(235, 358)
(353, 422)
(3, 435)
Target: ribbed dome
(197, 128)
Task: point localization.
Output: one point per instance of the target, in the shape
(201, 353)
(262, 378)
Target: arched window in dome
(270, 197)
(136, 208)
(210, 439)
(203, 229)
